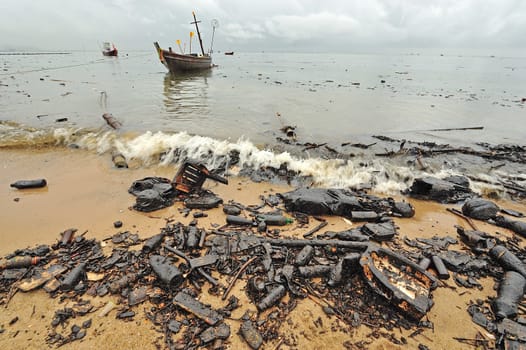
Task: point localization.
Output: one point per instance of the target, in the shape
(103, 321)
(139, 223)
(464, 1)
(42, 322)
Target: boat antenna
(215, 24)
(198, 34)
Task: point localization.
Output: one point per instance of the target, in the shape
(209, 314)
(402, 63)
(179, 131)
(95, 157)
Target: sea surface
(355, 119)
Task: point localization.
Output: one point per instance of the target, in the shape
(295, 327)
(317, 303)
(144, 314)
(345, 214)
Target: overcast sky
(269, 25)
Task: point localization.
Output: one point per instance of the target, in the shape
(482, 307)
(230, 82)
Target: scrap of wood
(315, 229)
(459, 129)
(309, 146)
(358, 145)
(239, 272)
(111, 121)
(468, 220)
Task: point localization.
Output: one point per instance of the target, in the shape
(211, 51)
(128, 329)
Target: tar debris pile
(361, 276)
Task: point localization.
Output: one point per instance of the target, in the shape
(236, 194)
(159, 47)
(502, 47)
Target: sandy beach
(85, 191)
(364, 161)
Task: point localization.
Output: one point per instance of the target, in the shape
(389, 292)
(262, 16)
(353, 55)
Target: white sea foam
(149, 148)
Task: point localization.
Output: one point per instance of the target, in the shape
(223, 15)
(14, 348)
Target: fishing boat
(176, 62)
(404, 283)
(109, 49)
(229, 53)
(185, 62)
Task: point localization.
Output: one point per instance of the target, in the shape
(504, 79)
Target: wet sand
(86, 192)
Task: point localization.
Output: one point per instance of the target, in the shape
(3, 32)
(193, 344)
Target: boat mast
(198, 34)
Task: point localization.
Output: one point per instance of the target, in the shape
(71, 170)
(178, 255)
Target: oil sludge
(166, 270)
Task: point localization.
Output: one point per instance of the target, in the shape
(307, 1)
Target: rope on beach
(70, 66)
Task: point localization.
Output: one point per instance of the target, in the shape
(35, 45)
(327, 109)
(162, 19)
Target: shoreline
(86, 192)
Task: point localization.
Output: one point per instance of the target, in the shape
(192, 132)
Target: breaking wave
(244, 158)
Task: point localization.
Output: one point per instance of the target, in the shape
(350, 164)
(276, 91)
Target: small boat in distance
(109, 49)
(185, 62)
(229, 53)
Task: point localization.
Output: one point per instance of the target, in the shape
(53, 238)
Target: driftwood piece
(110, 119)
(519, 190)
(209, 278)
(458, 213)
(315, 229)
(205, 260)
(459, 129)
(299, 243)
(239, 272)
(441, 269)
(512, 153)
(358, 145)
(42, 278)
(309, 145)
(205, 313)
(379, 232)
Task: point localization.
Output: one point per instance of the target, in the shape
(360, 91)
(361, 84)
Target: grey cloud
(321, 25)
(237, 31)
(269, 25)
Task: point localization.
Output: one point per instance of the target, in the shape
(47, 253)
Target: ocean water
(334, 102)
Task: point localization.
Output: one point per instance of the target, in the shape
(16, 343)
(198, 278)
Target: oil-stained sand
(86, 192)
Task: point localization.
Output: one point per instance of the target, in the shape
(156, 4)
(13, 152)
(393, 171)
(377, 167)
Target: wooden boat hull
(185, 63)
(401, 281)
(175, 62)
